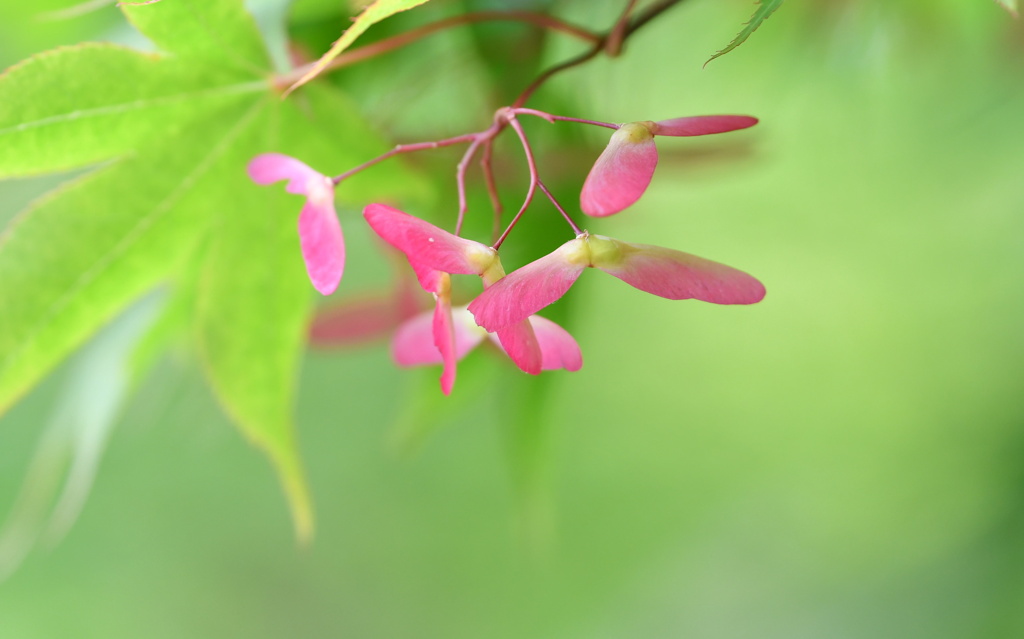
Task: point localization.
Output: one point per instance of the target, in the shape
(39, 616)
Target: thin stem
(649, 14)
(617, 36)
(518, 128)
(406, 148)
(545, 76)
(576, 229)
(492, 187)
(646, 16)
(398, 41)
(610, 43)
(460, 181)
(550, 117)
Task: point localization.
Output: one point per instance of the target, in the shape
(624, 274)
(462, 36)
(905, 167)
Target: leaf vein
(141, 227)
(125, 107)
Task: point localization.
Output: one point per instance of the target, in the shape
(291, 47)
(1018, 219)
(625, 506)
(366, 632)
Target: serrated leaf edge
(748, 30)
(364, 21)
(128, 10)
(254, 86)
(144, 223)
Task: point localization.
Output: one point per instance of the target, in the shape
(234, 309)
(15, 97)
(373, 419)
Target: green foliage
(76, 106)
(844, 457)
(764, 9)
(85, 251)
(374, 13)
(220, 34)
(1009, 5)
(172, 202)
(256, 314)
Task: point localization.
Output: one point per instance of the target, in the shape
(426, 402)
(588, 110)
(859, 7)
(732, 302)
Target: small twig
(550, 117)
(576, 229)
(406, 148)
(546, 75)
(460, 181)
(617, 36)
(534, 179)
(649, 14)
(492, 187)
(610, 43)
(396, 42)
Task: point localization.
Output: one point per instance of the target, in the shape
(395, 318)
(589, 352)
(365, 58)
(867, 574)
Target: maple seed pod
(653, 269)
(320, 236)
(624, 170)
(604, 252)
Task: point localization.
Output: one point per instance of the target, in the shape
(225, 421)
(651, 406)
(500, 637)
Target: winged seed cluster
(506, 309)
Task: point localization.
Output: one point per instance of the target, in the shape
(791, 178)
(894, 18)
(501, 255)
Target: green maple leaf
(765, 8)
(374, 13)
(169, 136)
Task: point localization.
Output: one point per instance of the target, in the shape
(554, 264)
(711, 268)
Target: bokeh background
(841, 460)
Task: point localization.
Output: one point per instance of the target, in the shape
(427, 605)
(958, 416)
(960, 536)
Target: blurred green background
(841, 460)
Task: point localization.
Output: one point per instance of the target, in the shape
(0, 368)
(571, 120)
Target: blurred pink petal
(673, 274)
(426, 245)
(355, 322)
(429, 338)
(444, 340)
(323, 245)
(525, 291)
(467, 334)
(416, 342)
(622, 172)
(413, 343)
(429, 278)
(558, 349)
(369, 317)
(272, 167)
(703, 125)
(520, 344)
(557, 346)
(407, 299)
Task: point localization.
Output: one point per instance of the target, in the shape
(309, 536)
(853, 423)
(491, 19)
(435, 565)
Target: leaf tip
(293, 480)
(764, 10)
